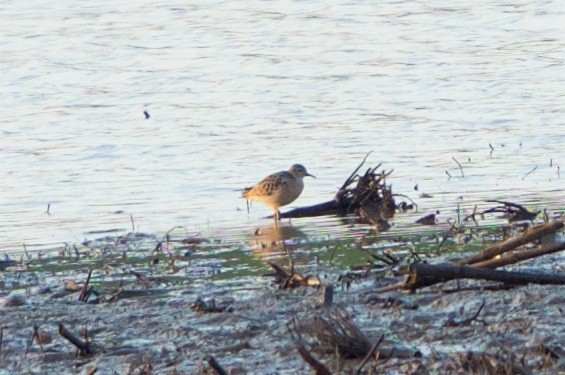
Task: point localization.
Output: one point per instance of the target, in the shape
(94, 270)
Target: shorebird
(278, 189)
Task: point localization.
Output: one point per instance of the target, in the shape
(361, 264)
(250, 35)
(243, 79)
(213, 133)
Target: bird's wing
(274, 182)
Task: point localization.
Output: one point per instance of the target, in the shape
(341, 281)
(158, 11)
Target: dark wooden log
(422, 275)
(321, 209)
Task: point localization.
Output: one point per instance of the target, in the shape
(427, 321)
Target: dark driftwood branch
(512, 211)
(318, 367)
(216, 366)
(366, 196)
(423, 275)
(83, 347)
(321, 209)
(518, 256)
(532, 234)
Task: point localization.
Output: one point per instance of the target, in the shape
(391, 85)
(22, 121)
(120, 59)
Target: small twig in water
(460, 167)
(491, 149)
(84, 293)
(26, 253)
(48, 206)
(447, 173)
(37, 337)
(369, 354)
(332, 255)
(216, 366)
(132, 223)
(533, 169)
(454, 323)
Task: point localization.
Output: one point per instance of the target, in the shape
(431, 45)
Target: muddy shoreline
(153, 326)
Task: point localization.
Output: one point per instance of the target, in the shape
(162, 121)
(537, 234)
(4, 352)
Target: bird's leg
(276, 216)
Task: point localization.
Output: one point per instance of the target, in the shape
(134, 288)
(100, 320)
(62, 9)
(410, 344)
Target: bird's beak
(311, 175)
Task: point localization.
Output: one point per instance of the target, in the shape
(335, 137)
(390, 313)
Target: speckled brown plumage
(278, 189)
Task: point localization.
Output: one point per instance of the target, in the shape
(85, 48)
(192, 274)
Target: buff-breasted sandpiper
(278, 189)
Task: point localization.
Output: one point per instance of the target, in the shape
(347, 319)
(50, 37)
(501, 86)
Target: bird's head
(298, 170)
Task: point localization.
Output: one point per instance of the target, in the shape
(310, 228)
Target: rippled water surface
(237, 90)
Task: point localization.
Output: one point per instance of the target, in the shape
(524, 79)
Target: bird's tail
(244, 192)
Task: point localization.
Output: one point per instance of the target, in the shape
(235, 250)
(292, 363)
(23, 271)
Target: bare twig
(451, 322)
(369, 354)
(532, 170)
(460, 167)
(350, 178)
(84, 293)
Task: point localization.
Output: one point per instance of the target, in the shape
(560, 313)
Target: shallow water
(238, 91)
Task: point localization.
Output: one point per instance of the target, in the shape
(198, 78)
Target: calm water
(239, 90)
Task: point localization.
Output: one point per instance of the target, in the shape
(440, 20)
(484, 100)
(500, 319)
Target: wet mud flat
(164, 309)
